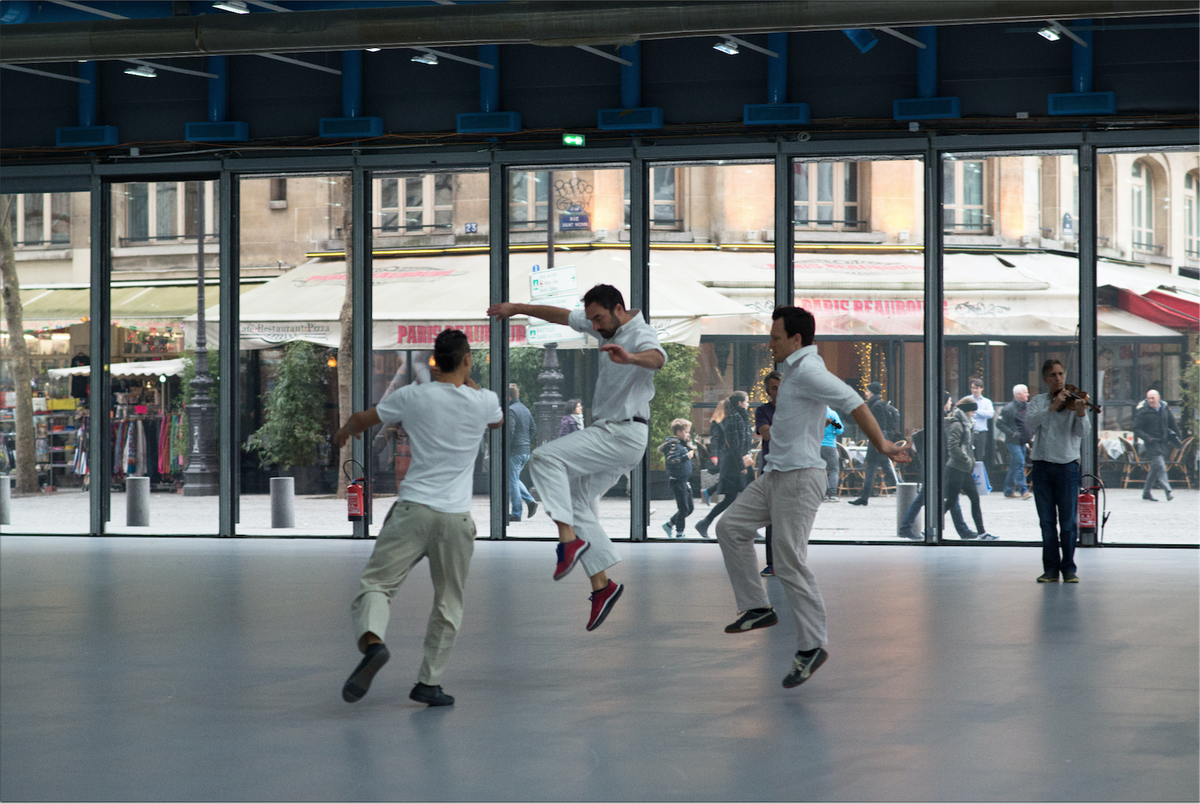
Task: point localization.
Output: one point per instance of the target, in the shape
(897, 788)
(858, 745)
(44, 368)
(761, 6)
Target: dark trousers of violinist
(1059, 424)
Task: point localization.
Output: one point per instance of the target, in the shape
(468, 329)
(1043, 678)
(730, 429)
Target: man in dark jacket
(1016, 438)
(917, 448)
(521, 432)
(874, 461)
(1154, 424)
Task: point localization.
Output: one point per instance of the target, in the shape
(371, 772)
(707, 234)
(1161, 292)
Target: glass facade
(1009, 256)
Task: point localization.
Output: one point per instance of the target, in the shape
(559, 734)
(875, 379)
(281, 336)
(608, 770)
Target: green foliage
(189, 373)
(293, 410)
(1190, 393)
(481, 361)
(524, 366)
(672, 395)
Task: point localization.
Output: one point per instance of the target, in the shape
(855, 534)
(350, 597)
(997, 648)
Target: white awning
(415, 298)
(140, 368)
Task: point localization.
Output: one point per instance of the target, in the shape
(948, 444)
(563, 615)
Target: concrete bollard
(283, 510)
(905, 494)
(137, 502)
(5, 500)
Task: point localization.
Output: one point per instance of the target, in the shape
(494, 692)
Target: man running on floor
(572, 472)
(789, 492)
(431, 518)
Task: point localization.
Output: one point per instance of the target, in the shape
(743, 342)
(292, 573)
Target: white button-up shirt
(622, 390)
(807, 390)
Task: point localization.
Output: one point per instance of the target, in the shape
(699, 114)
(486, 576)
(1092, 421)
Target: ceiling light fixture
(1050, 32)
(727, 46)
(141, 71)
(373, 49)
(232, 6)
(425, 58)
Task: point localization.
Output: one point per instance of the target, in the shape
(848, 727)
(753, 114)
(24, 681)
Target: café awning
(1014, 295)
(138, 368)
(415, 298)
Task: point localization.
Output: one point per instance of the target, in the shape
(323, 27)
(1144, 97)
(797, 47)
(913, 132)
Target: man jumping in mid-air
(572, 472)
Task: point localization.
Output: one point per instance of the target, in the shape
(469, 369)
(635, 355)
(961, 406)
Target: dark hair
(735, 399)
(1051, 362)
(975, 381)
(513, 391)
(450, 348)
(797, 321)
(606, 296)
(571, 404)
(774, 375)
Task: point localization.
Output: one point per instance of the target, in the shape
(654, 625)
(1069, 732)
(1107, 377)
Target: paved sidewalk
(1133, 520)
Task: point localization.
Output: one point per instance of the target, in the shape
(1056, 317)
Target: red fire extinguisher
(355, 499)
(1088, 515)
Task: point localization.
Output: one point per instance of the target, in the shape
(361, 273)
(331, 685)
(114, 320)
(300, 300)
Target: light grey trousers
(570, 474)
(788, 502)
(411, 532)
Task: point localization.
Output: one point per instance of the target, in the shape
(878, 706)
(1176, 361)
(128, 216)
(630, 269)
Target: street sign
(554, 282)
(554, 333)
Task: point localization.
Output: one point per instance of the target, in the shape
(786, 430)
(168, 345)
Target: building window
(154, 213)
(825, 196)
(527, 198)
(1141, 189)
(278, 188)
(1191, 215)
(663, 199)
(41, 219)
(962, 198)
(425, 204)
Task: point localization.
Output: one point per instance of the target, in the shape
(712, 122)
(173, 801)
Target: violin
(1074, 393)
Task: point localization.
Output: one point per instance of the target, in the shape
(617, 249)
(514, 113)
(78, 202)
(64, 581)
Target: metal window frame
(97, 179)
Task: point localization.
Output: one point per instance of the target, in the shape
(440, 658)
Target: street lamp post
(200, 476)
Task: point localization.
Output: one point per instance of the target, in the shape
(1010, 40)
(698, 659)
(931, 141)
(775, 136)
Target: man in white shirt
(984, 411)
(788, 493)
(431, 518)
(572, 472)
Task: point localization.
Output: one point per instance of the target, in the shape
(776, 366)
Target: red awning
(1180, 304)
(1155, 309)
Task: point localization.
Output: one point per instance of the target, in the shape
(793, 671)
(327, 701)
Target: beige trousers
(788, 502)
(411, 532)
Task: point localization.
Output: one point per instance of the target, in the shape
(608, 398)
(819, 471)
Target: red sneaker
(568, 556)
(602, 603)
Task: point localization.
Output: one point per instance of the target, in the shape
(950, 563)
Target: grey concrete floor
(137, 669)
(1133, 520)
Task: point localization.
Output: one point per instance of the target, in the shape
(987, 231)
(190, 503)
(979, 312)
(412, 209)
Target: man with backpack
(889, 421)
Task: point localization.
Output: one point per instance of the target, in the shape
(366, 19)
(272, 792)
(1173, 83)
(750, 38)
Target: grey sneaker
(803, 667)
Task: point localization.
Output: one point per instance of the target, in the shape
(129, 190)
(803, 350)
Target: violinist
(1058, 421)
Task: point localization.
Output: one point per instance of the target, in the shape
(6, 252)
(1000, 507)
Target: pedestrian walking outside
(678, 454)
(732, 437)
(1016, 439)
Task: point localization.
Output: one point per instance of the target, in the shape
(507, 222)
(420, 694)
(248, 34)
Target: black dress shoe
(514, 518)
(423, 693)
(858, 501)
(532, 508)
(1149, 498)
(1169, 497)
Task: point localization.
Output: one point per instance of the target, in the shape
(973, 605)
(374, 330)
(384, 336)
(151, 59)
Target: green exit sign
(577, 140)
